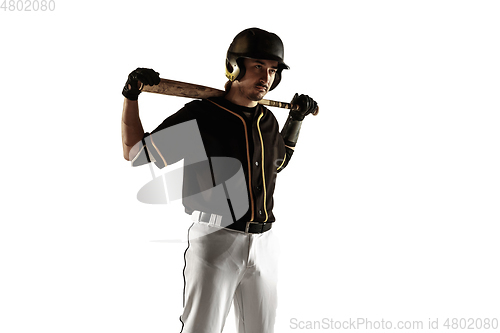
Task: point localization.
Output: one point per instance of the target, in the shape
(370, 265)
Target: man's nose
(265, 78)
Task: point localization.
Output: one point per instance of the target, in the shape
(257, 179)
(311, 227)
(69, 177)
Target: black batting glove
(145, 76)
(302, 106)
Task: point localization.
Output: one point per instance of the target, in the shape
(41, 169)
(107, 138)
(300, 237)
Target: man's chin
(258, 96)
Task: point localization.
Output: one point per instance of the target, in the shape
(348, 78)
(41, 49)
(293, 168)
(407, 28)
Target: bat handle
(314, 113)
(284, 105)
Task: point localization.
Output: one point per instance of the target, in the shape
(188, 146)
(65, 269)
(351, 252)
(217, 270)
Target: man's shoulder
(269, 115)
(195, 103)
(199, 105)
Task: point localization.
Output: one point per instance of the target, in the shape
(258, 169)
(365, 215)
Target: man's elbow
(127, 153)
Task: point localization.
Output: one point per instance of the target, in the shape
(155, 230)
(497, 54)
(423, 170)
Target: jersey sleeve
(283, 153)
(176, 138)
(288, 155)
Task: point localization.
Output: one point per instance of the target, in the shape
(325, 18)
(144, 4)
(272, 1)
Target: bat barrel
(183, 89)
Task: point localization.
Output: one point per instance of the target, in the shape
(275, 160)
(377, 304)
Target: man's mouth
(261, 87)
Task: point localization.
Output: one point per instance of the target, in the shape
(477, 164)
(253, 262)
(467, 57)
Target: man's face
(258, 78)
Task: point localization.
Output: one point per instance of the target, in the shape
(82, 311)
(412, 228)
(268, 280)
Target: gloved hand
(302, 106)
(144, 75)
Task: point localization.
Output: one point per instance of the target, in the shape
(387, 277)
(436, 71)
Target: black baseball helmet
(254, 43)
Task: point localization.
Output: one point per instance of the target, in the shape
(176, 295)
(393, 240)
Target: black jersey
(242, 149)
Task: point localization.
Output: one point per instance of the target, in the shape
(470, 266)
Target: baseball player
(232, 253)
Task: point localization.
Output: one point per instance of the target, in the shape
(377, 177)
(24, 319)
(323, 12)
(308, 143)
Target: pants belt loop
(195, 216)
(211, 219)
(215, 220)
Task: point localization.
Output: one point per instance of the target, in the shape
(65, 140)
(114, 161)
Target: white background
(388, 210)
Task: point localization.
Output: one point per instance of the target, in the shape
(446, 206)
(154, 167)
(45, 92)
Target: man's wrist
(291, 131)
(130, 94)
(295, 115)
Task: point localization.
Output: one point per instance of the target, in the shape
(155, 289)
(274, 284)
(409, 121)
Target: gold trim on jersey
(158, 151)
(248, 157)
(262, 165)
(284, 159)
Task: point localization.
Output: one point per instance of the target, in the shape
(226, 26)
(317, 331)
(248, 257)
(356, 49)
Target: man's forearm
(290, 131)
(132, 130)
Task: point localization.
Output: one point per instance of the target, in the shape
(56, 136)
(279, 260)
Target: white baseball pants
(223, 266)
